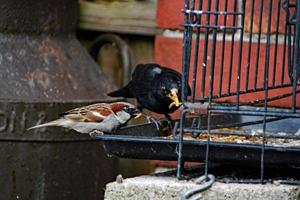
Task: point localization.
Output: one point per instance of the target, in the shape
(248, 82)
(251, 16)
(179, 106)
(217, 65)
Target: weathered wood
(134, 17)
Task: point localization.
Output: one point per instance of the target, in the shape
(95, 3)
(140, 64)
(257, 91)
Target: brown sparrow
(96, 118)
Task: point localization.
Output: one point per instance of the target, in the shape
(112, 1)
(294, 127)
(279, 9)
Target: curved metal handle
(205, 182)
(122, 47)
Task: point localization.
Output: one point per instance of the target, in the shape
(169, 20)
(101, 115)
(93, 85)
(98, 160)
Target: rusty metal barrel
(44, 71)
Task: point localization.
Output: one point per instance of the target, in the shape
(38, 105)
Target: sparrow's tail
(122, 92)
(57, 122)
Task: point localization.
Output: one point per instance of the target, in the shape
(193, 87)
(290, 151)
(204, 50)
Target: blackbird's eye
(164, 90)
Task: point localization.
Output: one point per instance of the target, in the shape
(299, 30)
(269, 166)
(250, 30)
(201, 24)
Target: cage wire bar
(237, 68)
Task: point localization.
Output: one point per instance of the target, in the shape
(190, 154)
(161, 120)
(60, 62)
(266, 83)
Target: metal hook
(205, 182)
(122, 47)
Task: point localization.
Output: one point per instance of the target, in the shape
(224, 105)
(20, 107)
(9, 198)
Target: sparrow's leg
(170, 120)
(95, 133)
(152, 120)
(149, 118)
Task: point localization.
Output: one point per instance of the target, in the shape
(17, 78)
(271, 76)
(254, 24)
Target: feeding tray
(146, 142)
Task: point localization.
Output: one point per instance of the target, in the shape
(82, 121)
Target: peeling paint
(38, 76)
(9, 56)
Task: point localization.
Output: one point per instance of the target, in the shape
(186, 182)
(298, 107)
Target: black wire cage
(242, 61)
(242, 58)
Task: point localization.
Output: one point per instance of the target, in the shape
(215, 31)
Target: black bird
(156, 88)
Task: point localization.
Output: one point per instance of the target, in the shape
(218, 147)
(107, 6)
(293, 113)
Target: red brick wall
(169, 15)
(168, 48)
(256, 16)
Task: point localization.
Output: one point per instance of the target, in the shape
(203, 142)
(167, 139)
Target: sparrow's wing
(91, 113)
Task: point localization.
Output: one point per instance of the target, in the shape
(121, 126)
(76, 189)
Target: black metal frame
(205, 103)
(235, 32)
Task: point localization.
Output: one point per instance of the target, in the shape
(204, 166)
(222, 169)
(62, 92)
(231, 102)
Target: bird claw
(96, 133)
(152, 120)
(174, 129)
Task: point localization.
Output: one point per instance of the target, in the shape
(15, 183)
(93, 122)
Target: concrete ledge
(152, 187)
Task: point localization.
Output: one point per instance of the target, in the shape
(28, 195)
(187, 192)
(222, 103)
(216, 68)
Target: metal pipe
(123, 50)
(296, 61)
(205, 48)
(238, 84)
(258, 43)
(231, 51)
(180, 160)
(223, 51)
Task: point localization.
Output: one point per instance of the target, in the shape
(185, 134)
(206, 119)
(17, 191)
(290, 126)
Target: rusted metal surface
(43, 72)
(40, 57)
(197, 108)
(52, 163)
(48, 68)
(17, 117)
(54, 170)
(38, 17)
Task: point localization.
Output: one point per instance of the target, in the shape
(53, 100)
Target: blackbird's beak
(173, 96)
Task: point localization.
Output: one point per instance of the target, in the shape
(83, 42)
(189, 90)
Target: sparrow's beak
(173, 96)
(136, 113)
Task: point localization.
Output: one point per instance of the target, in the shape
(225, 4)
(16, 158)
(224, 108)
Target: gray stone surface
(167, 188)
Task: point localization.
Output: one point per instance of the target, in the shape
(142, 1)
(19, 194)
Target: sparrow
(96, 118)
(155, 87)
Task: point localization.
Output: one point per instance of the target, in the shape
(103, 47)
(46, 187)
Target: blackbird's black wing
(142, 81)
(144, 78)
(123, 92)
(166, 70)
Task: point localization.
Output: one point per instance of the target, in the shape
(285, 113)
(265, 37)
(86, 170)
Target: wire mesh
(241, 57)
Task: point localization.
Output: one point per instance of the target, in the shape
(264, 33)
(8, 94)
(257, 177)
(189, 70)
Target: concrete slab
(151, 187)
